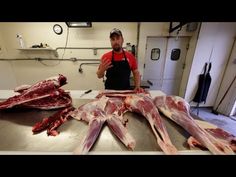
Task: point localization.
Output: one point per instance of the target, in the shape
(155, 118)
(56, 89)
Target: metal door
(166, 72)
(154, 61)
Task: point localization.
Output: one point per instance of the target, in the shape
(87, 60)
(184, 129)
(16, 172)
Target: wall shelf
(39, 49)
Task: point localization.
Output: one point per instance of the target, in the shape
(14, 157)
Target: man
(118, 65)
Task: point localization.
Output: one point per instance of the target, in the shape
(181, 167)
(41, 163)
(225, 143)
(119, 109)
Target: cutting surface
(16, 133)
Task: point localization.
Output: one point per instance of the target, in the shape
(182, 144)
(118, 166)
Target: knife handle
(88, 91)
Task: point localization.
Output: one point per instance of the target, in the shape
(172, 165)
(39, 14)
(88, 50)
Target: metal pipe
(51, 59)
(80, 66)
(138, 31)
(93, 48)
(82, 48)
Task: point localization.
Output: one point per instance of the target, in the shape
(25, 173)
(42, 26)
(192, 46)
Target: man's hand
(104, 65)
(139, 89)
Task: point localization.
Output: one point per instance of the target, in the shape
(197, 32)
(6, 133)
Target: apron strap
(112, 58)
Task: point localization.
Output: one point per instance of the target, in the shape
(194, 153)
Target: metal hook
(177, 36)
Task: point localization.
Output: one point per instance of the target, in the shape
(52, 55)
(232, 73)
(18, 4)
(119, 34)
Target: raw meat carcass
(92, 113)
(120, 93)
(54, 102)
(95, 126)
(45, 94)
(53, 122)
(121, 131)
(21, 88)
(177, 109)
(91, 110)
(96, 113)
(218, 133)
(115, 108)
(144, 105)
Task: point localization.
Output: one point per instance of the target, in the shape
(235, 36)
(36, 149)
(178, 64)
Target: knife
(88, 91)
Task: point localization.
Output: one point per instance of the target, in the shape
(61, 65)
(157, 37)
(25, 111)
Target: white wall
(29, 72)
(233, 112)
(162, 29)
(227, 105)
(188, 63)
(7, 76)
(154, 30)
(219, 37)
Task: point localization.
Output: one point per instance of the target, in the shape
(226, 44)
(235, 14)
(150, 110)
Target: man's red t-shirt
(120, 56)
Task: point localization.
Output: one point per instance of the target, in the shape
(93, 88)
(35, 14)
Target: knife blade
(86, 92)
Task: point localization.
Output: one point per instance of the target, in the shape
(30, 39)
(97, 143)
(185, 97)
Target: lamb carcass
(62, 100)
(218, 133)
(96, 113)
(45, 94)
(115, 109)
(144, 105)
(177, 109)
(120, 93)
(53, 122)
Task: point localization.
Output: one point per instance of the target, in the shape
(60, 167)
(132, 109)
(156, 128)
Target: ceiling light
(79, 24)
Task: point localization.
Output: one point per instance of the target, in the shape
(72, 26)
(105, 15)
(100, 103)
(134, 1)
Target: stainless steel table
(16, 134)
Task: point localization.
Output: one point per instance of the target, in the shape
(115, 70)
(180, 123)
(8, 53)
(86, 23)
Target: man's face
(116, 42)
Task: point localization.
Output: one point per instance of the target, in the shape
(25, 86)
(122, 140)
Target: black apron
(118, 76)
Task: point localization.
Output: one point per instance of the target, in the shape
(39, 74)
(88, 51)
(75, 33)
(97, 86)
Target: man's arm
(137, 80)
(100, 72)
(104, 65)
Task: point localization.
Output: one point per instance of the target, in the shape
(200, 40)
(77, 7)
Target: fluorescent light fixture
(79, 24)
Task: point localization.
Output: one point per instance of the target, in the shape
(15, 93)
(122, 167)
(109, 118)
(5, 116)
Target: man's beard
(117, 48)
